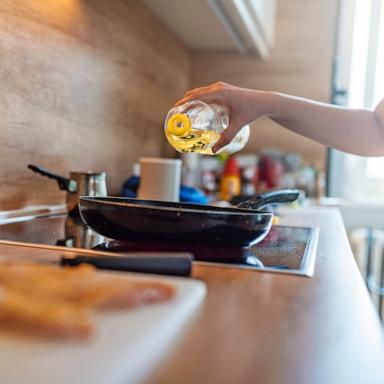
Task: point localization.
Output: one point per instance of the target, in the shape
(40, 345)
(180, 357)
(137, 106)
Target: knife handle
(179, 265)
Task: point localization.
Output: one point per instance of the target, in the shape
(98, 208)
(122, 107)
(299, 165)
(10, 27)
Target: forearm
(357, 131)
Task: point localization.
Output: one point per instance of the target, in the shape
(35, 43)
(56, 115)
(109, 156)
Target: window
(361, 177)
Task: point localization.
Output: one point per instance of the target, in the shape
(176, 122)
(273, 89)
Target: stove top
(285, 249)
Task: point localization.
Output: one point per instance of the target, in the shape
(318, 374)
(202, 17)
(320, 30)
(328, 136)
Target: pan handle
(64, 183)
(274, 197)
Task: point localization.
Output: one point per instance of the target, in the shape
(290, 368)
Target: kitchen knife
(176, 264)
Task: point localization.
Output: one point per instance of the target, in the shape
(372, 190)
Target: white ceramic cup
(159, 179)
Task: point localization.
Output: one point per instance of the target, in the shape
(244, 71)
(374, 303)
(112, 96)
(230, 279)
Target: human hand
(244, 106)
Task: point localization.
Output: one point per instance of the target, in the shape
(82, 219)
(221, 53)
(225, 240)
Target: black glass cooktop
(285, 249)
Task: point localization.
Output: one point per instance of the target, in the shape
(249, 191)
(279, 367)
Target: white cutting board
(128, 345)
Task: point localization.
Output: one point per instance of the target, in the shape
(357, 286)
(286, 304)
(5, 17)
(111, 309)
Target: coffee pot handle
(63, 182)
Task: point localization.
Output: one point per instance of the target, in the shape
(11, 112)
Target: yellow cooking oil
(195, 140)
(184, 138)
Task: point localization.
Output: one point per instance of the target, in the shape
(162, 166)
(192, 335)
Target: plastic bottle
(196, 126)
(230, 185)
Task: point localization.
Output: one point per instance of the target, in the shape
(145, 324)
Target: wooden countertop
(258, 327)
(274, 328)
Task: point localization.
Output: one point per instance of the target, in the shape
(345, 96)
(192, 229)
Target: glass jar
(196, 126)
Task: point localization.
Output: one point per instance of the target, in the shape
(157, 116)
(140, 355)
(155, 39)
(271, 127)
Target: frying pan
(134, 219)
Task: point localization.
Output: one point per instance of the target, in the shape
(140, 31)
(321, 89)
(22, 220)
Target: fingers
(207, 98)
(208, 94)
(199, 89)
(226, 137)
(208, 88)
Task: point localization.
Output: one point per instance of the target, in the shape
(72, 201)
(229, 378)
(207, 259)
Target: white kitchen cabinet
(245, 26)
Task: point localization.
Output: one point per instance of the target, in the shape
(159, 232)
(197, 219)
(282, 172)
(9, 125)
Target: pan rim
(180, 210)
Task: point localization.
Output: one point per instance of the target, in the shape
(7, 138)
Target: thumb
(226, 137)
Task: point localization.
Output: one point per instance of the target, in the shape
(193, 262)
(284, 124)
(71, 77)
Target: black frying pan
(133, 219)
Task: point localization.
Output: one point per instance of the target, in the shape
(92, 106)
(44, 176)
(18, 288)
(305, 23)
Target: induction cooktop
(286, 249)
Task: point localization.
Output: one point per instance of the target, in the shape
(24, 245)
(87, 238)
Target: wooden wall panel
(300, 64)
(84, 84)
